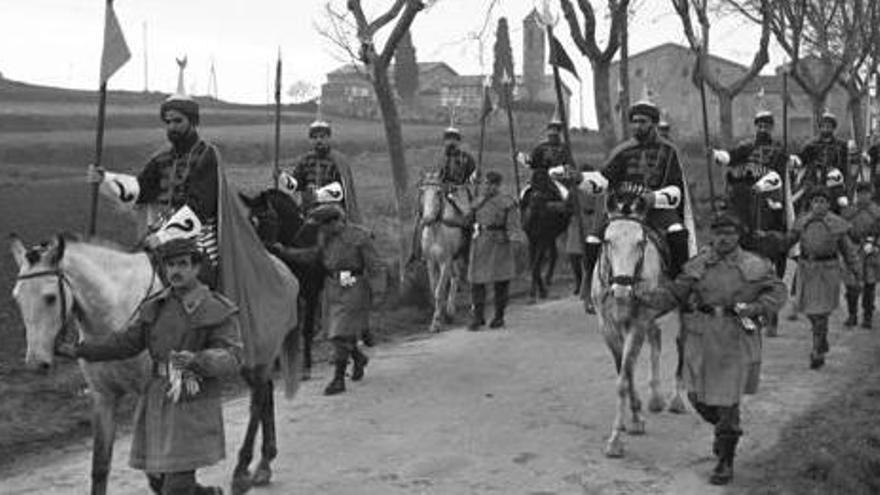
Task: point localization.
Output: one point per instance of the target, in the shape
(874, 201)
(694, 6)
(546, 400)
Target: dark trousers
(345, 348)
(820, 333)
(866, 292)
(478, 298)
(180, 483)
(725, 419)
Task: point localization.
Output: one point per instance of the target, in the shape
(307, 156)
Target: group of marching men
(734, 278)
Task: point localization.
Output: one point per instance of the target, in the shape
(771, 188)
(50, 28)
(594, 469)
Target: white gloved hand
(721, 157)
(795, 162)
(522, 159)
(94, 174)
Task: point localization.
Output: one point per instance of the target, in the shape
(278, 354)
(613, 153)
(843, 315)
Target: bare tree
(702, 73)
(302, 91)
(855, 79)
(406, 69)
(374, 61)
(820, 36)
(600, 60)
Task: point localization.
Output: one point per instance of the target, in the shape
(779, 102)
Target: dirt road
(524, 410)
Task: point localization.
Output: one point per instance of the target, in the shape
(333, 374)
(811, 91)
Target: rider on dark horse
(825, 161)
(456, 168)
(649, 164)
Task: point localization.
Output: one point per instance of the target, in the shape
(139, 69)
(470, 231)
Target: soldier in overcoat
(192, 336)
(864, 216)
(824, 238)
(355, 275)
(722, 292)
(582, 241)
(492, 257)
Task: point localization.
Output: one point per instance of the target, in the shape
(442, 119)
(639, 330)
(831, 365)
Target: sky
(58, 42)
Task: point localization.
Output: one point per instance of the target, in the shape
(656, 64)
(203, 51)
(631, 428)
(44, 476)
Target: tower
(534, 41)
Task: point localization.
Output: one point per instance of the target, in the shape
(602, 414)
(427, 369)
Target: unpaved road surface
(523, 410)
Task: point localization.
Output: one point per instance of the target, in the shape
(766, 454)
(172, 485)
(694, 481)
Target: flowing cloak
(260, 284)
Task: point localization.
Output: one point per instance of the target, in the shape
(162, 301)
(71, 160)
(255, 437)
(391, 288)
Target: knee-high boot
(868, 305)
(577, 268)
(591, 255)
(337, 386)
(852, 306)
(359, 361)
(501, 291)
(478, 299)
(723, 472)
(678, 251)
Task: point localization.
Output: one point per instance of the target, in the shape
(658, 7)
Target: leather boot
(867, 319)
(852, 308)
(337, 386)
(478, 298)
(678, 251)
(577, 268)
(359, 361)
(868, 305)
(723, 472)
(591, 255)
(501, 289)
(817, 357)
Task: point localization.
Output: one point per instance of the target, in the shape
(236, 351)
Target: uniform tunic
(185, 435)
(496, 230)
(749, 161)
(588, 212)
(348, 307)
(820, 156)
(823, 239)
(865, 233)
(652, 164)
(314, 170)
(547, 155)
(456, 168)
(721, 360)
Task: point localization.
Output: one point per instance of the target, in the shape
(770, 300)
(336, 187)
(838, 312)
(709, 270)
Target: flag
(559, 58)
(487, 104)
(115, 53)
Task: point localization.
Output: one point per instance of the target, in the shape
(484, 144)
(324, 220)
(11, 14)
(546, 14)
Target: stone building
(347, 91)
(665, 71)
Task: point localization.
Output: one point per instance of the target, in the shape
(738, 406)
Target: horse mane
(96, 241)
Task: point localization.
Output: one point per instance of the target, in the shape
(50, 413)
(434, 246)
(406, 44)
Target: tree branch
(413, 7)
(387, 17)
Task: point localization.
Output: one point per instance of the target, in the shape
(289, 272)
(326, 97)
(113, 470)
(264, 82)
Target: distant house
(665, 71)
(347, 91)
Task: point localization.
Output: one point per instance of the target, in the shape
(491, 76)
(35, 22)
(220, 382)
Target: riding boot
(577, 268)
(868, 305)
(416, 246)
(359, 361)
(772, 328)
(337, 386)
(852, 306)
(591, 255)
(678, 251)
(723, 472)
(478, 299)
(820, 341)
(501, 290)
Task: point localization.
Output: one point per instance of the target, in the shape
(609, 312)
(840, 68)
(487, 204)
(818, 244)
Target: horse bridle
(628, 281)
(64, 335)
(438, 218)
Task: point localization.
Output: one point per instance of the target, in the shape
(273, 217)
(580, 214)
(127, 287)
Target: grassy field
(45, 145)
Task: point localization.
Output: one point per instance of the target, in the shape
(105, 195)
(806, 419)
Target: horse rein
(628, 281)
(438, 218)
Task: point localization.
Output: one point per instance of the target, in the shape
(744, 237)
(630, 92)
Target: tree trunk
(623, 77)
(818, 104)
(399, 173)
(857, 110)
(725, 116)
(602, 97)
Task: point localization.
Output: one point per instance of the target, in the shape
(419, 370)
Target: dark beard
(451, 149)
(762, 137)
(322, 149)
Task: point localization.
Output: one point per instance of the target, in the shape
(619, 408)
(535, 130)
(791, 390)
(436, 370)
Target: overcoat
(823, 238)
(865, 220)
(586, 219)
(722, 360)
(188, 434)
(496, 231)
(347, 300)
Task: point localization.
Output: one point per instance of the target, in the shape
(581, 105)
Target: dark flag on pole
(115, 53)
(559, 58)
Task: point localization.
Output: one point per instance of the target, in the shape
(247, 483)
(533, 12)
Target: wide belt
(490, 228)
(823, 257)
(712, 310)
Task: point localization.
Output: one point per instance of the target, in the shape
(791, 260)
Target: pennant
(559, 58)
(115, 53)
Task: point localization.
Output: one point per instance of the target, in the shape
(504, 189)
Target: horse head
(630, 262)
(431, 201)
(44, 298)
(275, 216)
(628, 202)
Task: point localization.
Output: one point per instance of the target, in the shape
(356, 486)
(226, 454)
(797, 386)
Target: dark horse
(545, 216)
(278, 218)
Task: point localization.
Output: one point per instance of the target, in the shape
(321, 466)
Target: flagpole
(277, 166)
(560, 103)
(99, 148)
(508, 95)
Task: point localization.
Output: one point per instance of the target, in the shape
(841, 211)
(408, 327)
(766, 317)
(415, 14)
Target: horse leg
(310, 312)
(614, 445)
(656, 402)
(434, 278)
(269, 449)
(533, 265)
(104, 428)
(455, 268)
(542, 256)
(553, 251)
(676, 403)
(241, 476)
(631, 357)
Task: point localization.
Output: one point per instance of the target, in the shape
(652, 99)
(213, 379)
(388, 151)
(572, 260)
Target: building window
(639, 72)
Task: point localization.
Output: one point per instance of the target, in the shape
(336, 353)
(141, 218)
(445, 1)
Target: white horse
(443, 220)
(67, 285)
(630, 265)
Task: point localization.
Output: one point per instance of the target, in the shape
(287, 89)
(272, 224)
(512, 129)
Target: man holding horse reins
(457, 168)
(650, 166)
(721, 292)
(192, 336)
(321, 172)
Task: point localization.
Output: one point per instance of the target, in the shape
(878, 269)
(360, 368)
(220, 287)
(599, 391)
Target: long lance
(508, 95)
(706, 143)
(99, 150)
(277, 166)
(482, 135)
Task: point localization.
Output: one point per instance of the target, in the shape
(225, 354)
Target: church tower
(534, 40)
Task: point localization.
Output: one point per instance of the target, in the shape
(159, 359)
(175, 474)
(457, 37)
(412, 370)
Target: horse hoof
(637, 428)
(435, 327)
(656, 404)
(676, 405)
(262, 475)
(614, 449)
(241, 483)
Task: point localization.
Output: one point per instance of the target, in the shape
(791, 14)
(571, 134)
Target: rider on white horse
(650, 164)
